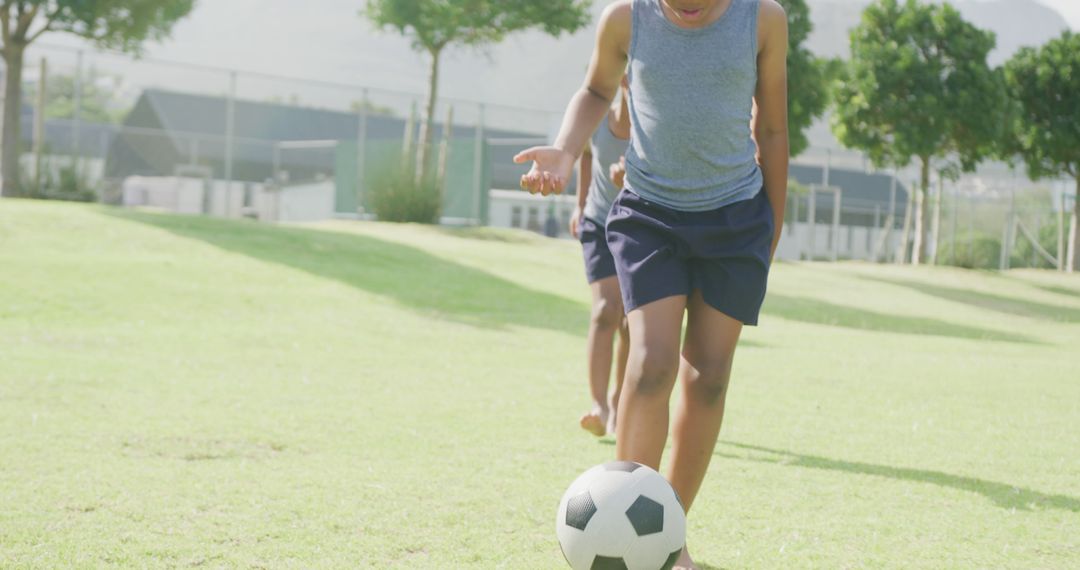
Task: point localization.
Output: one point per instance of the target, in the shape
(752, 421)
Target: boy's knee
(655, 374)
(607, 314)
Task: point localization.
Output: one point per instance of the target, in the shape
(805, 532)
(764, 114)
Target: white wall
(532, 211)
(304, 202)
(854, 242)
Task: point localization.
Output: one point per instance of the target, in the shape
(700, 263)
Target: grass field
(187, 392)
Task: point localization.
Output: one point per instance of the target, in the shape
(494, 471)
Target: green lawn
(186, 392)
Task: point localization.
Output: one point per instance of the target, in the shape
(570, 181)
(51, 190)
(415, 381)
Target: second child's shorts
(598, 262)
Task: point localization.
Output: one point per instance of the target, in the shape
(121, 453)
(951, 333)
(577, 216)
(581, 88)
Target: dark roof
(204, 114)
(165, 127)
(859, 190)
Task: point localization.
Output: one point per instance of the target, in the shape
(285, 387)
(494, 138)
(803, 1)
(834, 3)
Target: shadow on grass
(488, 234)
(998, 303)
(1004, 495)
(414, 278)
(1057, 290)
(822, 313)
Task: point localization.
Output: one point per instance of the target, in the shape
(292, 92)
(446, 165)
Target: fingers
(542, 182)
(526, 155)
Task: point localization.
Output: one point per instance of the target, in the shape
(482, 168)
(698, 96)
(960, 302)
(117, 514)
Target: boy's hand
(574, 219)
(550, 172)
(617, 173)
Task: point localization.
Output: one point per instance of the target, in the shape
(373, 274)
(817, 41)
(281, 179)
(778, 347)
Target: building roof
(860, 191)
(166, 128)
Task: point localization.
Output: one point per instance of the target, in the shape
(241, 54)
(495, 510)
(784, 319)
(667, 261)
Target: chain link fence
(202, 139)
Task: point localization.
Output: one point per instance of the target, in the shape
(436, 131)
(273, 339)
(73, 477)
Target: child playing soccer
(695, 227)
(596, 192)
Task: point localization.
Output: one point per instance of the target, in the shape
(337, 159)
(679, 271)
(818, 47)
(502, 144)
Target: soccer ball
(621, 515)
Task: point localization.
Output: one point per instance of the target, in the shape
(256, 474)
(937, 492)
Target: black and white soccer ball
(621, 515)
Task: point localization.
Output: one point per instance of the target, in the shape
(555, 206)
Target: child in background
(596, 192)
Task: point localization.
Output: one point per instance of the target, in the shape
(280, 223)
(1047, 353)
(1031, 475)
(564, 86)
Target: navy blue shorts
(660, 252)
(598, 261)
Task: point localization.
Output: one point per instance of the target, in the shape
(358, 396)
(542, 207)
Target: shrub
(398, 197)
(973, 251)
(66, 183)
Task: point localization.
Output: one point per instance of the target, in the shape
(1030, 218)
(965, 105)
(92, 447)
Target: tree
(118, 24)
(919, 88)
(435, 25)
(808, 76)
(1045, 83)
(97, 104)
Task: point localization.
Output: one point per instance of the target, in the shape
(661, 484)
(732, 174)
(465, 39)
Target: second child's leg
(607, 315)
(622, 353)
(650, 376)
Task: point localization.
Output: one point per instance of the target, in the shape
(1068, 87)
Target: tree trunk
(1074, 233)
(920, 214)
(935, 224)
(423, 152)
(9, 160)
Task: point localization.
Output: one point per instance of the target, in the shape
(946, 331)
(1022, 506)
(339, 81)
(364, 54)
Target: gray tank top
(691, 95)
(607, 149)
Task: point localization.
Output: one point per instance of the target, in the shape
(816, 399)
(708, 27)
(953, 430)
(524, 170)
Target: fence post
(230, 133)
(952, 230)
(478, 167)
(361, 152)
(39, 123)
(812, 219)
(935, 222)
(835, 230)
(76, 112)
(1061, 233)
(1006, 238)
(891, 215)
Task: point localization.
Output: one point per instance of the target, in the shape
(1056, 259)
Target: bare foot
(611, 422)
(684, 562)
(595, 421)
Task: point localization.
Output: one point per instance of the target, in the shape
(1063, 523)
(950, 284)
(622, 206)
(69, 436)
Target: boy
(696, 226)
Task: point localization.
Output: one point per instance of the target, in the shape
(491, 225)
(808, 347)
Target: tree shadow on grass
(1055, 289)
(998, 303)
(414, 278)
(489, 234)
(1003, 495)
(823, 313)
(1058, 290)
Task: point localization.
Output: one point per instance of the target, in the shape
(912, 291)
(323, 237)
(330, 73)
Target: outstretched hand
(550, 172)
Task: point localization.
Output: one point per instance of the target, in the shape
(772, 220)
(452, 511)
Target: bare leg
(705, 369)
(607, 314)
(650, 376)
(621, 355)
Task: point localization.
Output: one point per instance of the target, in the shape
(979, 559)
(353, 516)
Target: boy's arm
(552, 165)
(770, 128)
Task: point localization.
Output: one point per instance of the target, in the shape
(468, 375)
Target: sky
(334, 43)
(1070, 9)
